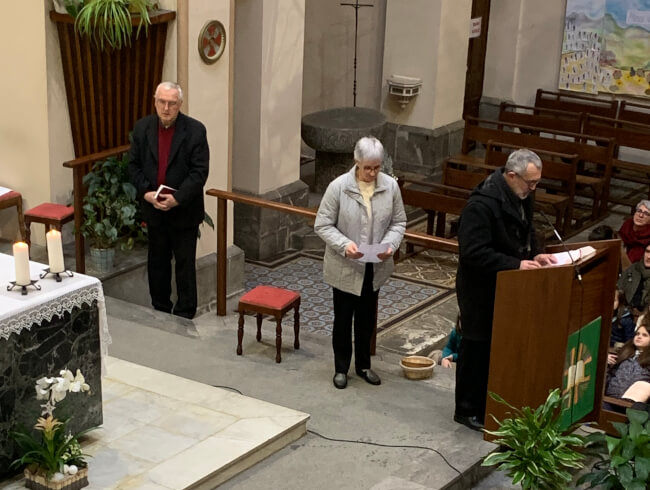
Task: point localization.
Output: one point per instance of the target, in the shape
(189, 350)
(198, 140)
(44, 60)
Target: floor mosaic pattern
(398, 298)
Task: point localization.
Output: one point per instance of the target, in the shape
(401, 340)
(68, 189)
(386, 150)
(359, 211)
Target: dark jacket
(187, 169)
(631, 283)
(492, 237)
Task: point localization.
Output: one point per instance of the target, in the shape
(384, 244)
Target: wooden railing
(223, 197)
(80, 167)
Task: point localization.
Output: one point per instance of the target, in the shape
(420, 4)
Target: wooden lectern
(535, 312)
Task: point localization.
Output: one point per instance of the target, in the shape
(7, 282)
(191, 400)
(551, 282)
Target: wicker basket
(417, 367)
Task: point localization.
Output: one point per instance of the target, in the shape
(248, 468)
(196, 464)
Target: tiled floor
(164, 432)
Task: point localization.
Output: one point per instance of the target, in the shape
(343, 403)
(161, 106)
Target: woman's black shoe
(369, 375)
(340, 380)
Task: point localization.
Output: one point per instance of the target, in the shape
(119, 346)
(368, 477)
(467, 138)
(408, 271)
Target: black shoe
(369, 375)
(470, 421)
(340, 380)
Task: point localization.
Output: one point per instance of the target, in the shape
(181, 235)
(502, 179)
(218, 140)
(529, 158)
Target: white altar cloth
(18, 312)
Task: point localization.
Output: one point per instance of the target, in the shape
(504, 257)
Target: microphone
(566, 249)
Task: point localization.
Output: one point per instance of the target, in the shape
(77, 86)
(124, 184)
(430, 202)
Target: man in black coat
(171, 149)
(495, 233)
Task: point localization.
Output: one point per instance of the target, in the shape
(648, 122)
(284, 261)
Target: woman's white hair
(368, 148)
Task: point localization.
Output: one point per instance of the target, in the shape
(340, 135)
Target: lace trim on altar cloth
(58, 307)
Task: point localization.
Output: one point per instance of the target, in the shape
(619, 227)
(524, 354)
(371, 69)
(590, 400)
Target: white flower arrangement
(56, 452)
(55, 390)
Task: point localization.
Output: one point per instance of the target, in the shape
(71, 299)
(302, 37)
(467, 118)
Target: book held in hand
(163, 189)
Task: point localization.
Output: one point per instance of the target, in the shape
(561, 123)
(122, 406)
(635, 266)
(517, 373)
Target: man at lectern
(495, 233)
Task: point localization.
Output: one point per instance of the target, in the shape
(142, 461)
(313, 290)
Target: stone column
(266, 137)
(426, 40)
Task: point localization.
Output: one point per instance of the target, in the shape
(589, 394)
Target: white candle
(571, 377)
(21, 261)
(55, 251)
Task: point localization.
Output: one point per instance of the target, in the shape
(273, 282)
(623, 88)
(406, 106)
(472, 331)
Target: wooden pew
(559, 171)
(540, 117)
(629, 135)
(437, 200)
(594, 153)
(575, 103)
(633, 112)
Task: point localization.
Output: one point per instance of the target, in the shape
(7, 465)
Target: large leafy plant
(537, 453)
(625, 460)
(108, 22)
(110, 206)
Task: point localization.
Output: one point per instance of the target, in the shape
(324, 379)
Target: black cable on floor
(368, 443)
(228, 388)
(387, 445)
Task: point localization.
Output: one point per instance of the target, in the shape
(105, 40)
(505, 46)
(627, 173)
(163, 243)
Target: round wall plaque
(212, 41)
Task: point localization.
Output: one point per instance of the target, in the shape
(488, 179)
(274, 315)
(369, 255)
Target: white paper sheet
(370, 251)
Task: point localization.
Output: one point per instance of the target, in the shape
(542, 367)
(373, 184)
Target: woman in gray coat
(361, 207)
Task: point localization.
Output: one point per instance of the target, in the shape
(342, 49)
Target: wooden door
(476, 59)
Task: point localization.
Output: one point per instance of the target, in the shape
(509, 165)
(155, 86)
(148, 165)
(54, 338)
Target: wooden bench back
(575, 103)
(541, 117)
(626, 133)
(464, 178)
(561, 167)
(633, 112)
(589, 148)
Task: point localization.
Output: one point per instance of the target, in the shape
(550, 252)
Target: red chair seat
(267, 300)
(50, 210)
(269, 296)
(9, 195)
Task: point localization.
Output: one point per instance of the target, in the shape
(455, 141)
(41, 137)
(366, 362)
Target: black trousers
(363, 309)
(472, 377)
(164, 243)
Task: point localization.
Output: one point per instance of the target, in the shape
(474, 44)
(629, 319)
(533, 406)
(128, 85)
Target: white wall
(329, 55)
(24, 134)
(524, 47)
(208, 101)
(268, 92)
(427, 40)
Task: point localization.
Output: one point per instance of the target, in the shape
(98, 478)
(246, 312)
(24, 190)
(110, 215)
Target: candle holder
(57, 275)
(23, 292)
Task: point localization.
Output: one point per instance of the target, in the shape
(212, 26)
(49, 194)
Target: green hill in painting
(631, 45)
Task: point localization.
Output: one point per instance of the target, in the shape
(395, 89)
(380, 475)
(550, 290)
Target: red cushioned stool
(50, 214)
(14, 199)
(267, 300)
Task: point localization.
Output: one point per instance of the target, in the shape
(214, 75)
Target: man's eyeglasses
(169, 103)
(643, 212)
(530, 183)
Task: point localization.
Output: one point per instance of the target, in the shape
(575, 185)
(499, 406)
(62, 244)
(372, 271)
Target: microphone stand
(566, 249)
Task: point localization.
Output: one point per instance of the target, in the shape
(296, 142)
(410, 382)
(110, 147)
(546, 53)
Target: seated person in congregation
(449, 354)
(629, 375)
(623, 322)
(635, 233)
(634, 291)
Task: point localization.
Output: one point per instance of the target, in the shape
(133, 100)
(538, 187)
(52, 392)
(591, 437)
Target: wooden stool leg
(296, 326)
(28, 232)
(21, 219)
(278, 339)
(259, 327)
(240, 332)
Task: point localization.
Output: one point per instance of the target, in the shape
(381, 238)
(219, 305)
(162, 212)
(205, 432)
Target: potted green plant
(51, 455)
(625, 460)
(109, 22)
(537, 452)
(110, 211)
